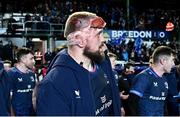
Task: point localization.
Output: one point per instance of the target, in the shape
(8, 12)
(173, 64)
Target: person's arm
(54, 93)
(133, 101)
(34, 94)
(123, 113)
(12, 113)
(50, 102)
(11, 77)
(139, 85)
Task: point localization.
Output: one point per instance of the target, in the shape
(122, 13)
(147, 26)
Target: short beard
(96, 57)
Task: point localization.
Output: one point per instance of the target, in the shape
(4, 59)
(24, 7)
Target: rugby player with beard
(80, 81)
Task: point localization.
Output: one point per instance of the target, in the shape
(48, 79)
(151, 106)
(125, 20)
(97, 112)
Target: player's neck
(22, 68)
(80, 59)
(158, 70)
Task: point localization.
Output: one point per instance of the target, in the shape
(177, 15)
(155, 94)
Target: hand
(123, 96)
(122, 111)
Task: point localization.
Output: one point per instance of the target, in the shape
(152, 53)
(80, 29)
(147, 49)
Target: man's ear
(80, 39)
(23, 59)
(162, 60)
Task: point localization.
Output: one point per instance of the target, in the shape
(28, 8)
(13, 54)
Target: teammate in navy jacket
(172, 102)
(149, 88)
(4, 92)
(80, 80)
(23, 83)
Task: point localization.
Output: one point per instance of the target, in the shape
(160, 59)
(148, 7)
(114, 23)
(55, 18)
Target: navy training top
(22, 88)
(152, 91)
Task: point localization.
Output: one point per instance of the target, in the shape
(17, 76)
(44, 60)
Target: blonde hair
(77, 21)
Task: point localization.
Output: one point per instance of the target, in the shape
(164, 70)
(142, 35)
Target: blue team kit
(22, 88)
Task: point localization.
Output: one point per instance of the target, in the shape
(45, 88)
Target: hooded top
(66, 89)
(4, 92)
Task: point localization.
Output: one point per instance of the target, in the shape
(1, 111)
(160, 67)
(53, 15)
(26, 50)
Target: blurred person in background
(113, 58)
(80, 81)
(4, 91)
(128, 73)
(173, 79)
(7, 65)
(122, 96)
(125, 82)
(23, 83)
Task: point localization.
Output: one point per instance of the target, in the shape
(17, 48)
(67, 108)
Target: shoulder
(144, 74)
(142, 78)
(60, 78)
(3, 75)
(31, 72)
(60, 73)
(59, 81)
(12, 73)
(11, 70)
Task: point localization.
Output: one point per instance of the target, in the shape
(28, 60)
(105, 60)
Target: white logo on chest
(103, 99)
(20, 79)
(162, 93)
(166, 85)
(32, 78)
(155, 84)
(77, 93)
(29, 86)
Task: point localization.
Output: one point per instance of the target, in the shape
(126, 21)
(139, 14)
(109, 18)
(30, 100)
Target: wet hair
(22, 52)
(161, 51)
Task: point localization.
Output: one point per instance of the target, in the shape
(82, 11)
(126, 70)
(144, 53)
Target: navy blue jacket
(66, 89)
(172, 104)
(4, 92)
